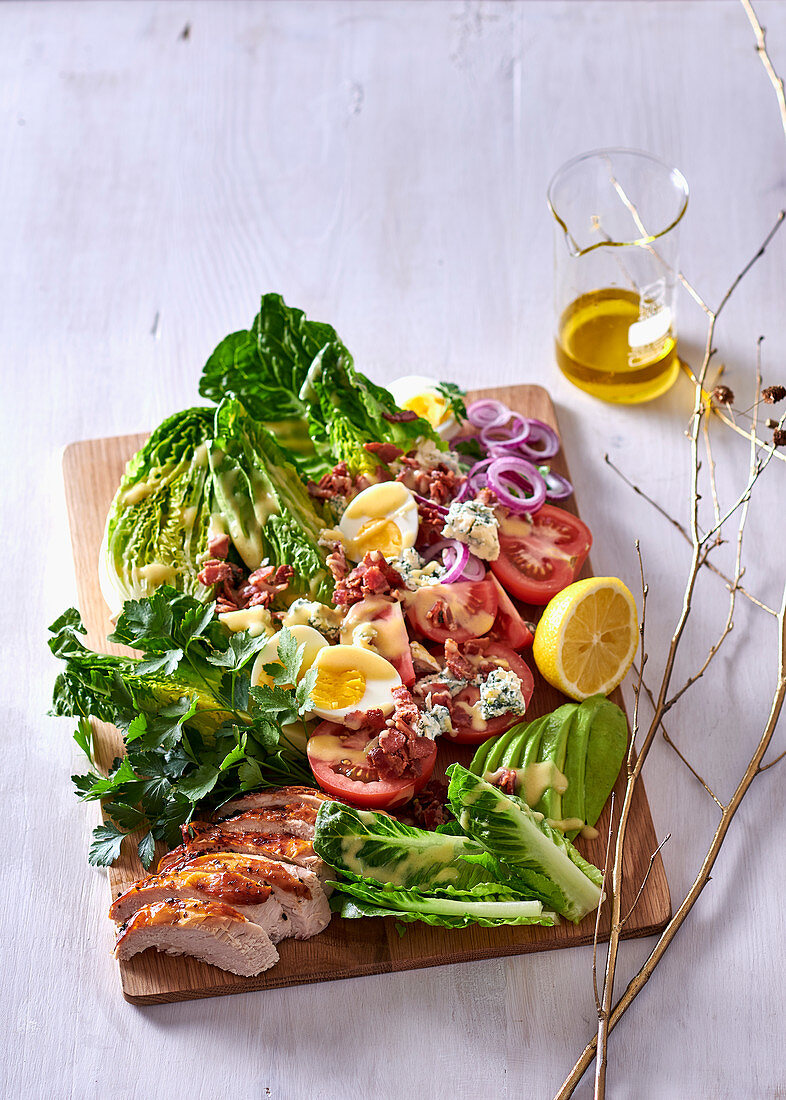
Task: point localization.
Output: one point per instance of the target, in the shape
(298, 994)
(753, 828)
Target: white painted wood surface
(383, 164)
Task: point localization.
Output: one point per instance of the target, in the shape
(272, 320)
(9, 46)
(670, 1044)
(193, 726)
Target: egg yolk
(335, 690)
(378, 534)
(430, 406)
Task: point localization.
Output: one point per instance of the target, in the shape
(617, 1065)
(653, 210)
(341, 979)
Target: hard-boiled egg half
(350, 678)
(268, 654)
(383, 517)
(421, 395)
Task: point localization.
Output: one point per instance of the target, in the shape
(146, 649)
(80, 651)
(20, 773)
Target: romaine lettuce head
(364, 845)
(263, 502)
(157, 526)
(297, 378)
(535, 857)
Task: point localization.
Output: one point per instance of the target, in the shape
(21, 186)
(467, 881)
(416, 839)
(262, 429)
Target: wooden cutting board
(348, 948)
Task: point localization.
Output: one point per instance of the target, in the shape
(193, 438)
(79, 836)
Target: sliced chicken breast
(202, 838)
(272, 800)
(254, 899)
(213, 932)
(297, 890)
(296, 820)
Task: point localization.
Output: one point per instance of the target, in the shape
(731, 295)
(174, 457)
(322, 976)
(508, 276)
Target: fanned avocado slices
(574, 798)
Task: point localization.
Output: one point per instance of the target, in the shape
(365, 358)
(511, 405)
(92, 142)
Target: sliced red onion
(477, 478)
(542, 442)
(487, 413)
(517, 473)
(430, 503)
(557, 486)
(507, 435)
(454, 554)
(474, 570)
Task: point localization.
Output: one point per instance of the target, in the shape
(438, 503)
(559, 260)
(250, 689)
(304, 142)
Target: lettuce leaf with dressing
(487, 904)
(265, 506)
(536, 858)
(157, 526)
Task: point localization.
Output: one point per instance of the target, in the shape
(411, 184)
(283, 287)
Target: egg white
(413, 391)
(372, 510)
(337, 661)
(268, 654)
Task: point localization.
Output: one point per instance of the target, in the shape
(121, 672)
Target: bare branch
(653, 857)
(597, 911)
(761, 49)
(772, 763)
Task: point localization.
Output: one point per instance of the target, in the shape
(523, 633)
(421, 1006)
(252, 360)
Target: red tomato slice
(540, 554)
(391, 640)
(459, 611)
(468, 727)
(509, 627)
(333, 747)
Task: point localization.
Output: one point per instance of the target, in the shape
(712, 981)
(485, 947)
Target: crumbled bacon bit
(217, 572)
(218, 547)
(385, 452)
(371, 720)
(264, 584)
(372, 577)
(488, 497)
(402, 417)
(505, 780)
(773, 394)
(439, 484)
(439, 614)
(233, 592)
(456, 663)
(431, 522)
(428, 809)
(398, 750)
(337, 563)
(338, 483)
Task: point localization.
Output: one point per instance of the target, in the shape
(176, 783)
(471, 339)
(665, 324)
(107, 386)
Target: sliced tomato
(469, 728)
(459, 611)
(509, 627)
(390, 639)
(334, 750)
(540, 554)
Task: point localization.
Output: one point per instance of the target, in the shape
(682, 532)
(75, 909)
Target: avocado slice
(492, 750)
(574, 798)
(606, 748)
(553, 747)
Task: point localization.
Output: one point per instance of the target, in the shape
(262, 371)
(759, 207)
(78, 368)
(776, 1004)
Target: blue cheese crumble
(327, 620)
(476, 526)
(434, 721)
(500, 693)
(414, 571)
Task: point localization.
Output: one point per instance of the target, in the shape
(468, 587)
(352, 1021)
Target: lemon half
(587, 637)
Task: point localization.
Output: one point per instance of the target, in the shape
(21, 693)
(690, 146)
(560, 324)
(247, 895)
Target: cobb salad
(326, 580)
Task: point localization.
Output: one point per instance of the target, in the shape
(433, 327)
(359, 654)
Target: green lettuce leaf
(265, 505)
(158, 522)
(489, 905)
(364, 845)
(535, 857)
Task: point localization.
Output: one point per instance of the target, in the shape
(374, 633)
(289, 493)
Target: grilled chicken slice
(202, 838)
(297, 890)
(281, 798)
(254, 899)
(211, 931)
(295, 820)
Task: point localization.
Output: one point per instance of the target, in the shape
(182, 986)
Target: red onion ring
(557, 486)
(521, 475)
(542, 442)
(487, 413)
(430, 503)
(518, 432)
(475, 570)
(455, 556)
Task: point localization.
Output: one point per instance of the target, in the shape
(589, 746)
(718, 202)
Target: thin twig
(683, 531)
(600, 906)
(772, 763)
(761, 50)
(653, 857)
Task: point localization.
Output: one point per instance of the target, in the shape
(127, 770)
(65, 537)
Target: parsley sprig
(196, 733)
